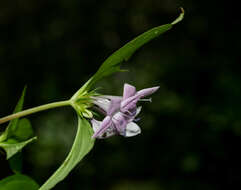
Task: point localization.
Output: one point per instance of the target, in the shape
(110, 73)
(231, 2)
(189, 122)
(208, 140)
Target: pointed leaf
(24, 130)
(16, 163)
(83, 143)
(18, 132)
(13, 123)
(12, 146)
(17, 182)
(112, 63)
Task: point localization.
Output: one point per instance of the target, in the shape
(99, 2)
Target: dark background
(190, 133)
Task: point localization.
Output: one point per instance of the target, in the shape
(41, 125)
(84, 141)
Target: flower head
(120, 112)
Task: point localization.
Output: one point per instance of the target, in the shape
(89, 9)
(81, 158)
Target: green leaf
(12, 146)
(18, 132)
(83, 143)
(24, 130)
(13, 123)
(16, 163)
(18, 182)
(112, 63)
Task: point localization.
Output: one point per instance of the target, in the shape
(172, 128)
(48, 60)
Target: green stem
(34, 110)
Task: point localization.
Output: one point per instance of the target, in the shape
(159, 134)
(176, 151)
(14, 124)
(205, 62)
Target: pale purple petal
(129, 103)
(95, 124)
(132, 129)
(121, 112)
(129, 91)
(109, 97)
(111, 131)
(102, 103)
(138, 110)
(120, 122)
(103, 126)
(114, 106)
(108, 133)
(147, 91)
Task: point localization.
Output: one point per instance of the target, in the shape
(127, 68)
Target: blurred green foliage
(192, 130)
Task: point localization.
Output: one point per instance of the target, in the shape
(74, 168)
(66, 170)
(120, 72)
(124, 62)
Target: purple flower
(120, 112)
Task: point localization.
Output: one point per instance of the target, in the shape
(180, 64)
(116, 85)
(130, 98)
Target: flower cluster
(120, 112)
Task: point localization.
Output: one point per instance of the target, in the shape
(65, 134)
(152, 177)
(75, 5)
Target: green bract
(82, 103)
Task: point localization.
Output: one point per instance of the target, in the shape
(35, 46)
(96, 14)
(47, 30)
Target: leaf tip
(180, 18)
(182, 10)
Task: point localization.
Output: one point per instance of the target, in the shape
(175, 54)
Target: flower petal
(129, 91)
(138, 110)
(120, 122)
(147, 91)
(95, 124)
(109, 97)
(103, 126)
(132, 129)
(114, 106)
(102, 103)
(129, 103)
(108, 133)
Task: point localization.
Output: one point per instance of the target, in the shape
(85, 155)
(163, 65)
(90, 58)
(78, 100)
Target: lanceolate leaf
(13, 123)
(18, 132)
(12, 146)
(23, 131)
(83, 143)
(18, 182)
(112, 63)
(16, 163)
